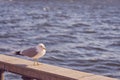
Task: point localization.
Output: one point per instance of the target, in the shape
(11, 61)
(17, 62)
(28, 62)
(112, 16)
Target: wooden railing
(42, 72)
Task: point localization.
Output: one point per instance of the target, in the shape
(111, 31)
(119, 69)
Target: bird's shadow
(22, 65)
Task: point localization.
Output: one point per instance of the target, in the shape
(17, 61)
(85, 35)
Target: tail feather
(17, 53)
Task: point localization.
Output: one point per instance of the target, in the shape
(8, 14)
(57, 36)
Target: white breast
(40, 54)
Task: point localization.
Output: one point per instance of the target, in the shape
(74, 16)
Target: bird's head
(42, 46)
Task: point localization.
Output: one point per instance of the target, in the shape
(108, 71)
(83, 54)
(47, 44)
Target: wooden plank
(44, 71)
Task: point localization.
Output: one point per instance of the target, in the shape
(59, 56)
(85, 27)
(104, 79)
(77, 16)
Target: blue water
(79, 34)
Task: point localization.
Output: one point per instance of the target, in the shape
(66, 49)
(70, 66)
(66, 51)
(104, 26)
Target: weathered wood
(1, 75)
(44, 71)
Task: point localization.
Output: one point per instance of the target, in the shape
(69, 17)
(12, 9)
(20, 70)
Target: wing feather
(31, 52)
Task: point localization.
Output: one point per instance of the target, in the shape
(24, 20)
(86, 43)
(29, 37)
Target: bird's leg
(34, 61)
(37, 62)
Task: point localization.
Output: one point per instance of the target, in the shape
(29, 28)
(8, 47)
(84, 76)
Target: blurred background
(79, 34)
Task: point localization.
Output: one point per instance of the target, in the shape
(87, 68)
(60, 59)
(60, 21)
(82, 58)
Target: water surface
(79, 34)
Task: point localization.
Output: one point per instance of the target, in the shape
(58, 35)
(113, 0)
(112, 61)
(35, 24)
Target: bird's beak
(44, 48)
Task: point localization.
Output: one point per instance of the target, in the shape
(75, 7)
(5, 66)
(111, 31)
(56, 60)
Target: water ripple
(79, 34)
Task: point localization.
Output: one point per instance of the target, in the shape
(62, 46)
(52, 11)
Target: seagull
(35, 52)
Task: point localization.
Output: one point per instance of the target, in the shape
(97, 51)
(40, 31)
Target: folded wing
(31, 52)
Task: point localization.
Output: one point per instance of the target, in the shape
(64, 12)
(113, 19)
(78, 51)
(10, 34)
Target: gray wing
(31, 52)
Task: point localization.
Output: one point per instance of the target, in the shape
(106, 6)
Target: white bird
(34, 52)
